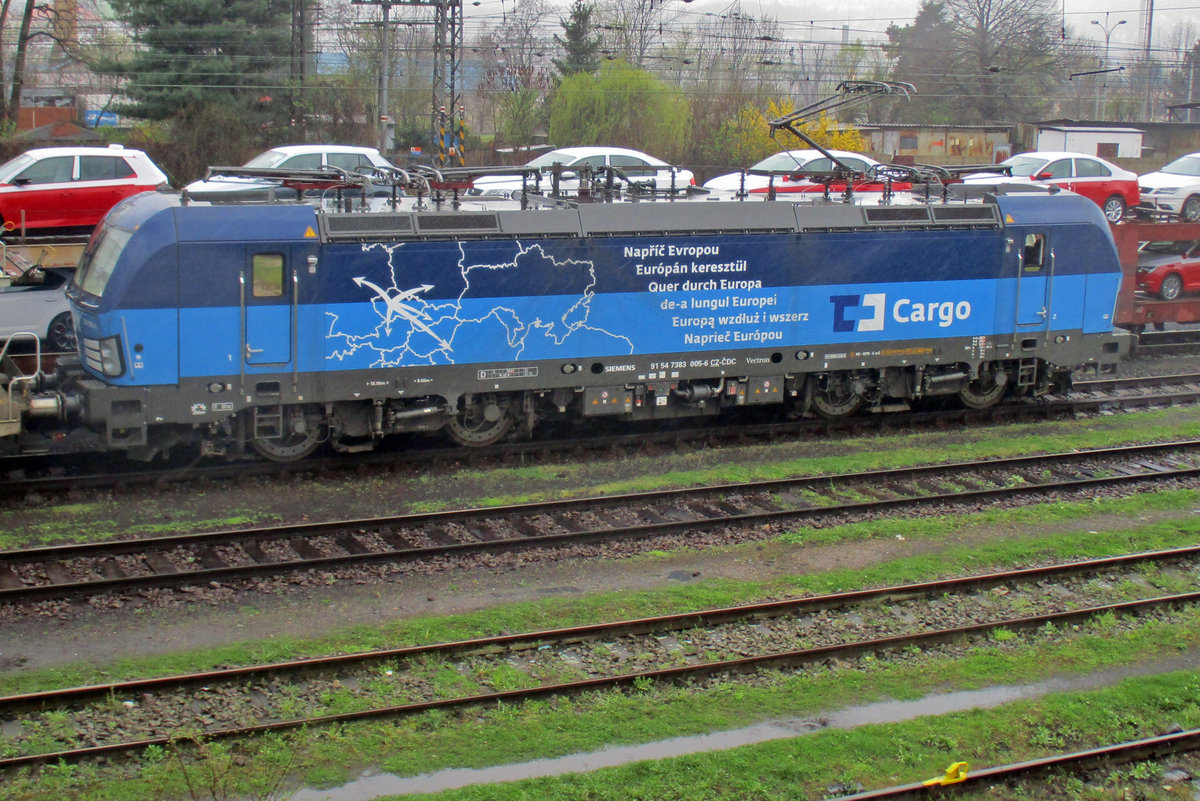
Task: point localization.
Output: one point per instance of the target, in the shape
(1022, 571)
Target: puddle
(374, 785)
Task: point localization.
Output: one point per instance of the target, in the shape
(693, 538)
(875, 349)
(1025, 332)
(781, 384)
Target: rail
(124, 565)
(959, 778)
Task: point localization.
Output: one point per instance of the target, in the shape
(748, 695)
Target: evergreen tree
(582, 46)
(231, 54)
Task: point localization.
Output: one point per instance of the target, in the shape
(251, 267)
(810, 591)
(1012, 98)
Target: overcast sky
(823, 19)
(871, 17)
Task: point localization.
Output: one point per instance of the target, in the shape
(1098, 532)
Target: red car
(1114, 189)
(56, 189)
(1168, 269)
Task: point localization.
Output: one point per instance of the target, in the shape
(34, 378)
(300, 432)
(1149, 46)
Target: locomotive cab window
(267, 271)
(1033, 255)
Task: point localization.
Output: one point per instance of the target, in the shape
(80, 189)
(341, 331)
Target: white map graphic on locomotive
(405, 329)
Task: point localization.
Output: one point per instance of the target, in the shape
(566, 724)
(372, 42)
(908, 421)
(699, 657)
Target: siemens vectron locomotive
(276, 328)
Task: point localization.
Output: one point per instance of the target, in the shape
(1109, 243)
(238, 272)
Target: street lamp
(1108, 32)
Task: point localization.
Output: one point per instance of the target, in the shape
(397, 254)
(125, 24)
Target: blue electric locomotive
(279, 327)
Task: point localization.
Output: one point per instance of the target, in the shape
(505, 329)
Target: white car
(1173, 189)
(788, 163)
(1114, 189)
(296, 157)
(37, 304)
(641, 168)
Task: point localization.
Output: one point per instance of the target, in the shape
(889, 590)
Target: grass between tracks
(798, 768)
(802, 767)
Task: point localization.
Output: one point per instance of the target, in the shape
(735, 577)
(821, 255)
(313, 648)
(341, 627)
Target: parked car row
(62, 189)
(69, 189)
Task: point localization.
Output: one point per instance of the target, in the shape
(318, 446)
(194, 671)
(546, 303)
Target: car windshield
(552, 158)
(268, 159)
(1177, 248)
(1186, 165)
(1025, 166)
(780, 162)
(11, 168)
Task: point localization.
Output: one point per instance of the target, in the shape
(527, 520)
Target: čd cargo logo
(868, 312)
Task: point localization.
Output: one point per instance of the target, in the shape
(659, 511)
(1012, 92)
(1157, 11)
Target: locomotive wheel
(293, 445)
(835, 397)
(291, 448)
(983, 391)
(481, 420)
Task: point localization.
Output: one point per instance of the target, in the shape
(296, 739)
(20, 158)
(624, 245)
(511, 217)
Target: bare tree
(725, 63)
(635, 25)
(518, 70)
(357, 37)
(1006, 53)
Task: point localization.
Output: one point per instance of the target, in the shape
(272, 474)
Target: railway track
(49, 475)
(694, 646)
(732, 511)
(960, 779)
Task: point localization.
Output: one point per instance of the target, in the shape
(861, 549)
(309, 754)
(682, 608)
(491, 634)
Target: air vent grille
(457, 222)
(358, 226)
(965, 214)
(897, 215)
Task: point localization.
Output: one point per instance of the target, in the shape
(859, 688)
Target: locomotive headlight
(104, 356)
(111, 363)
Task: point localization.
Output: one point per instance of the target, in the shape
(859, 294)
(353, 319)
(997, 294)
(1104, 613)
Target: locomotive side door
(268, 295)
(1034, 271)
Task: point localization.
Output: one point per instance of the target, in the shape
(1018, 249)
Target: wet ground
(374, 785)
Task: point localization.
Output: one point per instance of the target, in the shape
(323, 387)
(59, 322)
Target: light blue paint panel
(482, 330)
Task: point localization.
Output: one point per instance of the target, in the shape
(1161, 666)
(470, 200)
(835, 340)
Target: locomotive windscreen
(96, 266)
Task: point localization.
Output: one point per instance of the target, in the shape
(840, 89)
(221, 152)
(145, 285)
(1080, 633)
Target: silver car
(37, 304)
(229, 189)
